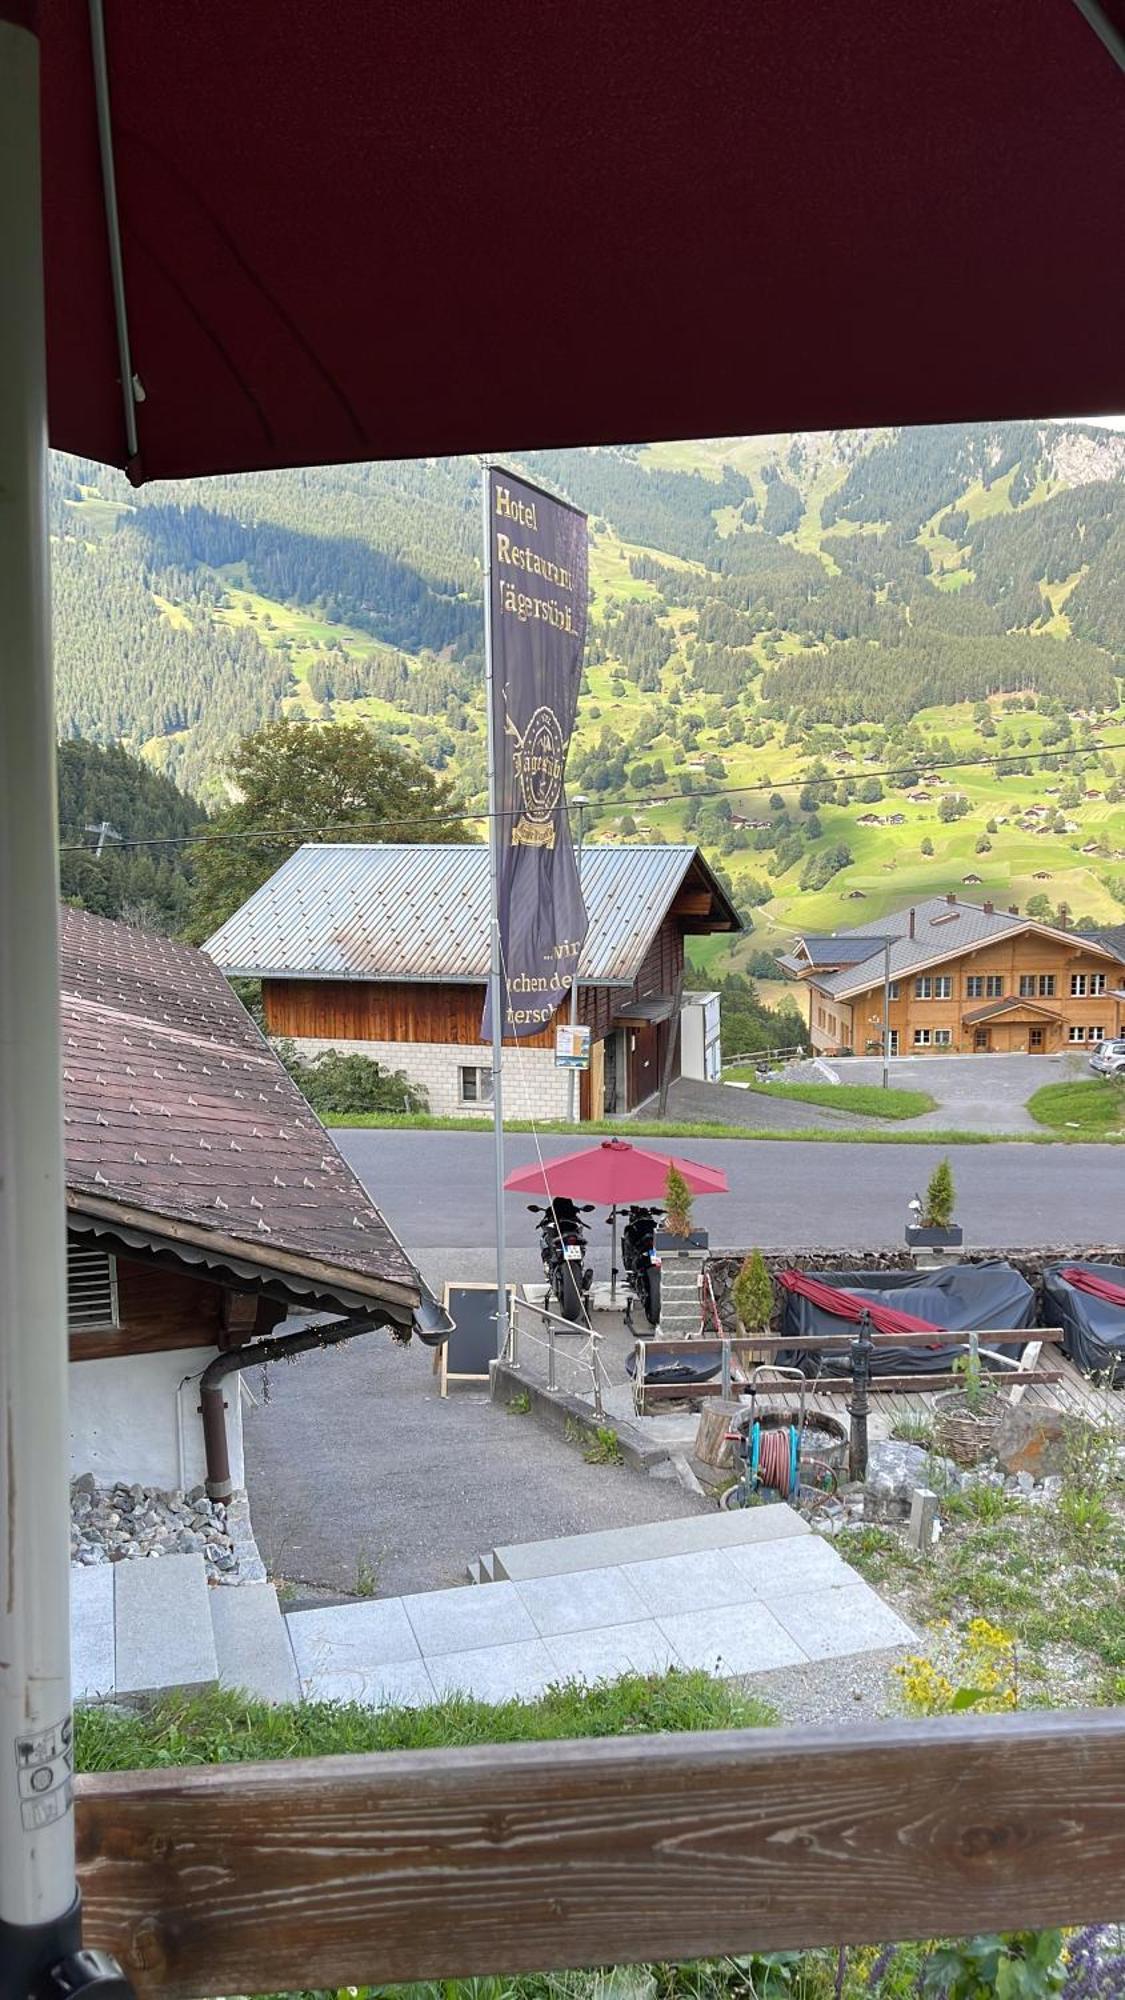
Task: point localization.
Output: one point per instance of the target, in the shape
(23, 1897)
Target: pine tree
(938, 1210)
(677, 1203)
(752, 1294)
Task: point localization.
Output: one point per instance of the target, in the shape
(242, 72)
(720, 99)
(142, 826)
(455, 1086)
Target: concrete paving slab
(611, 1547)
(582, 1600)
(252, 1642)
(702, 1581)
(827, 1624)
(162, 1625)
(777, 1568)
(397, 1684)
(351, 1638)
(518, 1672)
(606, 1654)
(92, 1649)
(460, 1621)
(738, 1639)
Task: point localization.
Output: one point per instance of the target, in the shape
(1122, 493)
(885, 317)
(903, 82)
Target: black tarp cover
(973, 1296)
(1094, 1329)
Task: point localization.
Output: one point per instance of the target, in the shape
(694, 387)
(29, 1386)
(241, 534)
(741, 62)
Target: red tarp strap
(1088, 1281)
(844, 1305)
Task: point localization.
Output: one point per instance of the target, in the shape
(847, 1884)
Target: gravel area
(829, 1692)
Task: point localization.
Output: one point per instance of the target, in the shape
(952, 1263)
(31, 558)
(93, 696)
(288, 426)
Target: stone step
(521, 1561)
(162, 1625)
(252, 1642)
(480, 1571)
(92, 1644)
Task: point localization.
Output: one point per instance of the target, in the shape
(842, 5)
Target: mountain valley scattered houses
(963, 977)
(205, 1203)
(383, 950)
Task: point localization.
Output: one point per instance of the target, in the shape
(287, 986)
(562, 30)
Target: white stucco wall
(533, 1087)
(123, 1419)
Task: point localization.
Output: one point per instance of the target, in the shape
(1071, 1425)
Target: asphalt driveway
(986, 1093)
(359, 1473)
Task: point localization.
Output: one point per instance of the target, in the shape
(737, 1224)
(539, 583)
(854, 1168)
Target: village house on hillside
(205, 1202)
(962, 976)
(384, 950)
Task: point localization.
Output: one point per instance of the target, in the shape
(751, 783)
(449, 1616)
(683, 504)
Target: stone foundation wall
(533, 1087)
(1029, 1263)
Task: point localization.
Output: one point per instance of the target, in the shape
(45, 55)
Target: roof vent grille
(91, 1287)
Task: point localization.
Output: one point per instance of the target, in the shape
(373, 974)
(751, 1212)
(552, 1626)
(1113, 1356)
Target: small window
(476, 1085)
(994, 986)
(1095, 1034)
(921, 1038)
(1076, 1034)
(91, 1289)
(943, 986)
(1046, 985)
(1097, 982)
(1078, 985)
(923, 988)
(1027, 985)
(974, 986)
(942, 1037)
(892, 989)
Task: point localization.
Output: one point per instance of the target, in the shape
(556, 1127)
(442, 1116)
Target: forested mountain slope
(789, 636)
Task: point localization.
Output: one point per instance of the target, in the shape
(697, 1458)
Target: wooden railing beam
(328, 1872)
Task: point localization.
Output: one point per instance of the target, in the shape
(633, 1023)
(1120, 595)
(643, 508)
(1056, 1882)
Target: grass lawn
(866, 1098)
(1092, 1105)
(881, 1134)
(227, 1728)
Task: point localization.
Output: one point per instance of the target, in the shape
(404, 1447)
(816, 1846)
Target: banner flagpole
(495, 978)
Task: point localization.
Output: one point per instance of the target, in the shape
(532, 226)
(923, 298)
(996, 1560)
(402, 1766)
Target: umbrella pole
(613, 1255)
(39, 1914)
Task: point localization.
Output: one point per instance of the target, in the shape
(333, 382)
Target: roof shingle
(177, 1106)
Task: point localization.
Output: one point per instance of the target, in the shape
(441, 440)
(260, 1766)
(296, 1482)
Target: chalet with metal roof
(206, 1202)
(961, 976)
(384, 949)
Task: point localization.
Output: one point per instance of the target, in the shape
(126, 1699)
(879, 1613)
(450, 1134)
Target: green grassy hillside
(792, 640)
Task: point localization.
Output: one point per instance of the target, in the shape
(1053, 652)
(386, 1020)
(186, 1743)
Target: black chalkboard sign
(466, 1355)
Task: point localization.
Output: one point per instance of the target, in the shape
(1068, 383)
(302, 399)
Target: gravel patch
(828, 1692)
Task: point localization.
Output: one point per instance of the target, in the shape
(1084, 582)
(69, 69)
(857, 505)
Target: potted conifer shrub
(935, 1228)
(677, 1233)
(752, 1300)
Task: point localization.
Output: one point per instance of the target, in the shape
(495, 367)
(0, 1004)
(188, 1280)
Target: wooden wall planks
(242, 1878)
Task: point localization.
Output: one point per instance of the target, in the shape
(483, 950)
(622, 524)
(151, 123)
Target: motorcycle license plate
(655, 1256)
(572, 1252)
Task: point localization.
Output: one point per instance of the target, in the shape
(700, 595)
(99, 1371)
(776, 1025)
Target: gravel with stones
(120, 1523)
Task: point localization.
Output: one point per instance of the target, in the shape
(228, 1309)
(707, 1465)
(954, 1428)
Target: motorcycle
(562, 1246)
(642, 1266)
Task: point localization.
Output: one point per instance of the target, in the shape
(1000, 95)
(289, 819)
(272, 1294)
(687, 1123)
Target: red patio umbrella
(613, 1173)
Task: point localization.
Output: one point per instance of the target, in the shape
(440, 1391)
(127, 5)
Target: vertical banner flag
(537, 547)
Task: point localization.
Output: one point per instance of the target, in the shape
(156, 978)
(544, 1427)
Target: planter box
(667, 1245)
(934, 1239)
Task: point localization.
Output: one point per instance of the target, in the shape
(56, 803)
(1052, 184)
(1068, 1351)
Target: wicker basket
(962, 1434)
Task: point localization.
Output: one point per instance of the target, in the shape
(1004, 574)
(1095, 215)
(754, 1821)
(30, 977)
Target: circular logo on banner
(539, 760)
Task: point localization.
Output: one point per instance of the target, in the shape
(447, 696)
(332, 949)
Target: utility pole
(886, 1009)
(573, 1095)
(105, 832)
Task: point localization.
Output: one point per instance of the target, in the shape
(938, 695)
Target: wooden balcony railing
(443, 1863)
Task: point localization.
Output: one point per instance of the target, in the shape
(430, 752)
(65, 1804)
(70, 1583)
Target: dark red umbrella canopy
(614, 1173)
(355, 231)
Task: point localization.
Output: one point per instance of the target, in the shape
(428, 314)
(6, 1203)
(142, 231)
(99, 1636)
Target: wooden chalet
(205, 1203)
(384, 949)
(962, 977)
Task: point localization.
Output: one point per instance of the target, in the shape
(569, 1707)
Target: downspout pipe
(212, 1403)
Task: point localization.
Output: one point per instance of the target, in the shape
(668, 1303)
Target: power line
(1011, 758)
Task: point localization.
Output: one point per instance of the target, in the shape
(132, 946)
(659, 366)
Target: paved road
(357, 1465)
(436, 1190)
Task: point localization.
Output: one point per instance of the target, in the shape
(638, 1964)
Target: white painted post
(37, 1883)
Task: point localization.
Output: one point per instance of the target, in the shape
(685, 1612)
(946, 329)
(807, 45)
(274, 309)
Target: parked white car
(1108, 1058)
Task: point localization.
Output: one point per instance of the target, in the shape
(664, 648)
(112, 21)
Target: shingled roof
(182, 1122)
